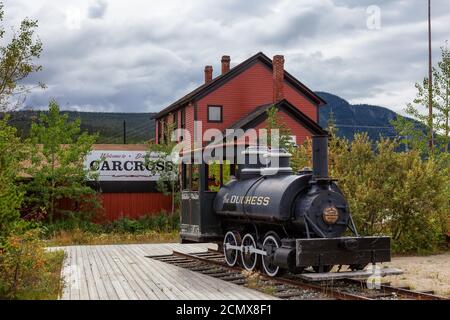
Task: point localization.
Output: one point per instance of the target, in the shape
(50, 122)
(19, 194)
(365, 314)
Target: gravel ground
(423, 273)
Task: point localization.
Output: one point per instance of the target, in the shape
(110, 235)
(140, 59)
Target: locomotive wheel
(270, 244)
(249, 259)
(325, 268)
(231, 255)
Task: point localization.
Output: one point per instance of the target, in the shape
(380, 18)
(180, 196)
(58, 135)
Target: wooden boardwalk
(116, 272)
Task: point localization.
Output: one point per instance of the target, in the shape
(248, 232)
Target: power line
(359, 126)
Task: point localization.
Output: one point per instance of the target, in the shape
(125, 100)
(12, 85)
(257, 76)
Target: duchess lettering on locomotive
(252, 200)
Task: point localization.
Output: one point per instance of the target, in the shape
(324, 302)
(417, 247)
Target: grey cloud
(364, 3)
(98, 10)
(294, 28)
(143, 64)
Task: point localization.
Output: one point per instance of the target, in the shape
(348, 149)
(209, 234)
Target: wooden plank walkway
(116, 272)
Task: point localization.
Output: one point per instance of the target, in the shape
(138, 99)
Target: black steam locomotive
(270, 217)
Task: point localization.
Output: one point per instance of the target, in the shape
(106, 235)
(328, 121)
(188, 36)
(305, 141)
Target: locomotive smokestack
(320, 156)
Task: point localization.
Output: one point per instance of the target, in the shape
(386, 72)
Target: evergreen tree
(331, 125)
(299, 156)
(274, 122)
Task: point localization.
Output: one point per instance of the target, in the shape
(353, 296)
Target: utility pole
(430, 80)
(124, 132)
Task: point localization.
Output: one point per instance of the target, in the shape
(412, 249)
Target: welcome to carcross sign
(112, 165)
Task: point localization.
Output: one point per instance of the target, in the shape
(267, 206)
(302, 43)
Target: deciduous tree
(57, 168)
(11, 193)
(168, 182)
(413, 135)
(17, 61)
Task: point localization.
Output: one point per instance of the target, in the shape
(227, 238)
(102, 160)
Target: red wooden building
(125, 190)
(239, 97)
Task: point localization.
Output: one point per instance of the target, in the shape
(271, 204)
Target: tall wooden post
(430, 80)
(124, 132)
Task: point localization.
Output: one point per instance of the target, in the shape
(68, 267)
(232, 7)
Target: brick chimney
(278, 78)
(208, 74)
(225, 64)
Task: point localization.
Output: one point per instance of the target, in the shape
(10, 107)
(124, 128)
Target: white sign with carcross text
(113, 165)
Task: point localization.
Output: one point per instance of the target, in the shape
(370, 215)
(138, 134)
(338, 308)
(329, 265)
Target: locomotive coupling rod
(246, 249)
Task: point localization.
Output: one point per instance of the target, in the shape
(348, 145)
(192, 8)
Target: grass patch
(51, 284)
(28, 271)
(147, 229)
(80, 237)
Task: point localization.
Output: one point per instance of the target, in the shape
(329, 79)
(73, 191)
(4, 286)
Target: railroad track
(288, 287)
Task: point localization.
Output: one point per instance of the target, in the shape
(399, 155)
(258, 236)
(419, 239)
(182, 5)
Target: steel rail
(387, 288)
(415, 295)
(337, 294)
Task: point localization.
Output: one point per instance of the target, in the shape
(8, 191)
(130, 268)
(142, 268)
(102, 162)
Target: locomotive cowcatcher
(267, 216)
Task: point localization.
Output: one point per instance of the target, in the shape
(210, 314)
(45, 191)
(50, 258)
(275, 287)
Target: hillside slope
(350, 119)
(140, 127)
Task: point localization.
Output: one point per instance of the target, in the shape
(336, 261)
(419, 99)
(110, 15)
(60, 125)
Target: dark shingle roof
(259, 114)
(219, 80)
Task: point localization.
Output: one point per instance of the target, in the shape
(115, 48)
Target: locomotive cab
(200, 181)
(198, 223)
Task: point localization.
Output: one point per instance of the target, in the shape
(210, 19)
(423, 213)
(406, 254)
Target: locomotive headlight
(330, 215)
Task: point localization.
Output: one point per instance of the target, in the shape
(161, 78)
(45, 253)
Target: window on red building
(175, 119)
(165, 129)
(214, 113)
(183, 119)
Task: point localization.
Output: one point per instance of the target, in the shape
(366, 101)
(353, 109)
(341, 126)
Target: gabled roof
(259, 114)
(220, 80)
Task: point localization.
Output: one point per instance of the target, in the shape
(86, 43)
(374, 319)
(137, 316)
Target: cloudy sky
(140, 55)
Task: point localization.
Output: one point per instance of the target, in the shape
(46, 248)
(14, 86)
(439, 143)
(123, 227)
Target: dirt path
(423, 273)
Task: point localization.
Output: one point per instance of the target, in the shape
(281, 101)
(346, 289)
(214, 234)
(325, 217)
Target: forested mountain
(140, 127)
(350, 119)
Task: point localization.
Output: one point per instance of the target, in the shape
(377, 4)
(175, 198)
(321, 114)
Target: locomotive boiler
(269, 217)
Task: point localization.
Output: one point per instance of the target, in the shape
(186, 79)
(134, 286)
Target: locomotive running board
(342, 251)
(362, 274)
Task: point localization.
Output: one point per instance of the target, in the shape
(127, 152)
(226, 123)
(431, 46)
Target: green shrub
(395, 193)
(399, 194)
(127, 225)
(11, 193)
